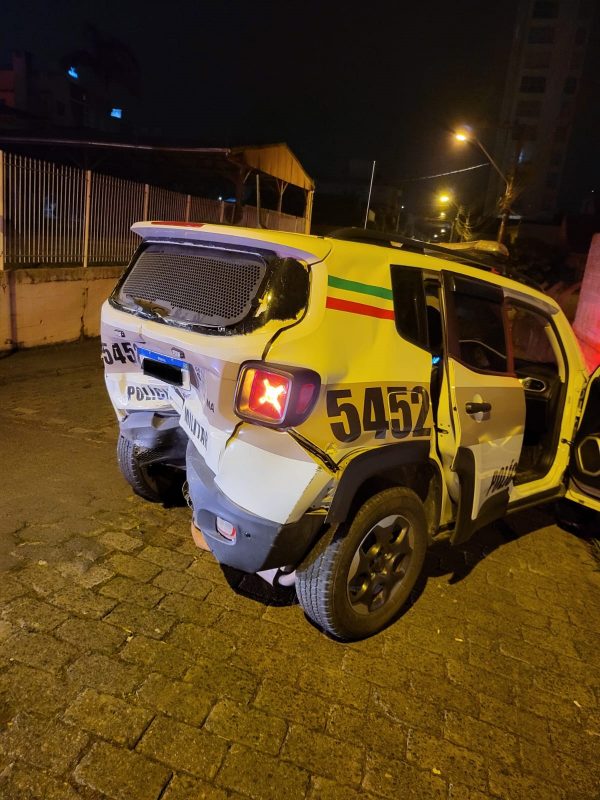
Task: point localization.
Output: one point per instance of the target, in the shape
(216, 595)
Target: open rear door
(584, 466)
(487, 402)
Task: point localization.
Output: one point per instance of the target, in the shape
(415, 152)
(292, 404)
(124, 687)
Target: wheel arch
(407, 464)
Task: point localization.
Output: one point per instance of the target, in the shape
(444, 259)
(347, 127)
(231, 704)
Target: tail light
(279, 397)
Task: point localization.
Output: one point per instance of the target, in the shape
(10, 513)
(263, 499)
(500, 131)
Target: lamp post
(446, 199)
(466, 135)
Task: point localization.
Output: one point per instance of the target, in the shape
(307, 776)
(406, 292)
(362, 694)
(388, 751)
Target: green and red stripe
(380, 294)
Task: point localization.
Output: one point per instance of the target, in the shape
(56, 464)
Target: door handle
(477, 408)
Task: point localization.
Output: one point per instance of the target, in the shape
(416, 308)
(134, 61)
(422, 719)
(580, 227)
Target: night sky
(381, 81)
(385, 81)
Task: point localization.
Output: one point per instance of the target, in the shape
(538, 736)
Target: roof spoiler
(311, 249)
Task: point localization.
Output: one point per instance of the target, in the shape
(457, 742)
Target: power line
(443, 174)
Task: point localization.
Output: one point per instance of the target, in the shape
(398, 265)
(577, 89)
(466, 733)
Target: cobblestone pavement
(131, 669)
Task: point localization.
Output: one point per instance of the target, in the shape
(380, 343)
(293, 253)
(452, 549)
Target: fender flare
(370, 464)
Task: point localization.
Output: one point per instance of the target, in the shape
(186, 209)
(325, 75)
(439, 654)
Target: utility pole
(369, 198)
(466, 135)
(505, 205)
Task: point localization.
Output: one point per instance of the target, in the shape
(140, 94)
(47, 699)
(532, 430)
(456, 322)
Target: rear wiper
(152, 309)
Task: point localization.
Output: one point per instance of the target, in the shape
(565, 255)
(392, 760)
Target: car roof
(485, 262)
(313, 249)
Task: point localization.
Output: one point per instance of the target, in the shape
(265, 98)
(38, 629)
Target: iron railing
(44, 208)
(276, 220)
(54, 214)
(114, 204)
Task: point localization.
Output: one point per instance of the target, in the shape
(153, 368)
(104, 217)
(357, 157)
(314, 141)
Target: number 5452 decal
(404, 414)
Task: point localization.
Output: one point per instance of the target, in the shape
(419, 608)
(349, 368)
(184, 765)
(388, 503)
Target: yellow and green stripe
(359, 298)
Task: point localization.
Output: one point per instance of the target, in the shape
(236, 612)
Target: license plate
(165, 368)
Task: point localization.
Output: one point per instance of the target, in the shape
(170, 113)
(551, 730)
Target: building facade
(34, 99)
(539, 105)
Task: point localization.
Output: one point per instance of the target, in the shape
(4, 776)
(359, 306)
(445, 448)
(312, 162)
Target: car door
(487, 401)
(584, 466)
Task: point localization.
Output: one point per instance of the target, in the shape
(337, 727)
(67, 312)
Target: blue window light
(73, 73)
(117, 113)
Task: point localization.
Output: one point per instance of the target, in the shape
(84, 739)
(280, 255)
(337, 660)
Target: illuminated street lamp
(446, 199)
(467, 135)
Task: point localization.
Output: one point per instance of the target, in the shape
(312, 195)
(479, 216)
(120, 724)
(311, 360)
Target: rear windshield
(211, 289)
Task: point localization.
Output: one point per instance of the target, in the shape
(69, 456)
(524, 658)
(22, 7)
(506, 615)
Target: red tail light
(280, 397)
(269, 394)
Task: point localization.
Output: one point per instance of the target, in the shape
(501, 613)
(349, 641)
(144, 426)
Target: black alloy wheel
(355, 583)
(380, 564)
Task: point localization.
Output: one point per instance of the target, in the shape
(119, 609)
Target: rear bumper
(260, 544)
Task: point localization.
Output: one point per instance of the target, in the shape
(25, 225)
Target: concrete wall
(52, 304)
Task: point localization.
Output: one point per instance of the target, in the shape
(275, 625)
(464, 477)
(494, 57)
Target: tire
(154, 482)
(356, 580)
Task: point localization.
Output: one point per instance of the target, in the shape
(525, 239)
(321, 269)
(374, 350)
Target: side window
(409, 304)
(530, 341)
(480, 329)
(435, 331)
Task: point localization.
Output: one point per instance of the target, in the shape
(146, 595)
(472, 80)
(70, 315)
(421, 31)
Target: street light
(446, 199)
(467, 135)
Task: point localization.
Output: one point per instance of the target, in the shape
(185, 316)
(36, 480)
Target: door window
(529, 333)
(480, 331)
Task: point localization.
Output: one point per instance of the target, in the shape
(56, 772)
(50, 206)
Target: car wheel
(355, 583)
(154, 482)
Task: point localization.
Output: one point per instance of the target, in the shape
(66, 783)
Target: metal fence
(44, 207)
(276, 220)
(52, 214)
(114, 205)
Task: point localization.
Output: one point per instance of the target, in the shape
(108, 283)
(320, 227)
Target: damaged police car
(335, 404)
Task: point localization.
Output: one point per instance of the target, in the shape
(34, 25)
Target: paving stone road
(130, 668)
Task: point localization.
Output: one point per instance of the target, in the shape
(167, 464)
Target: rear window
(211, 289)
